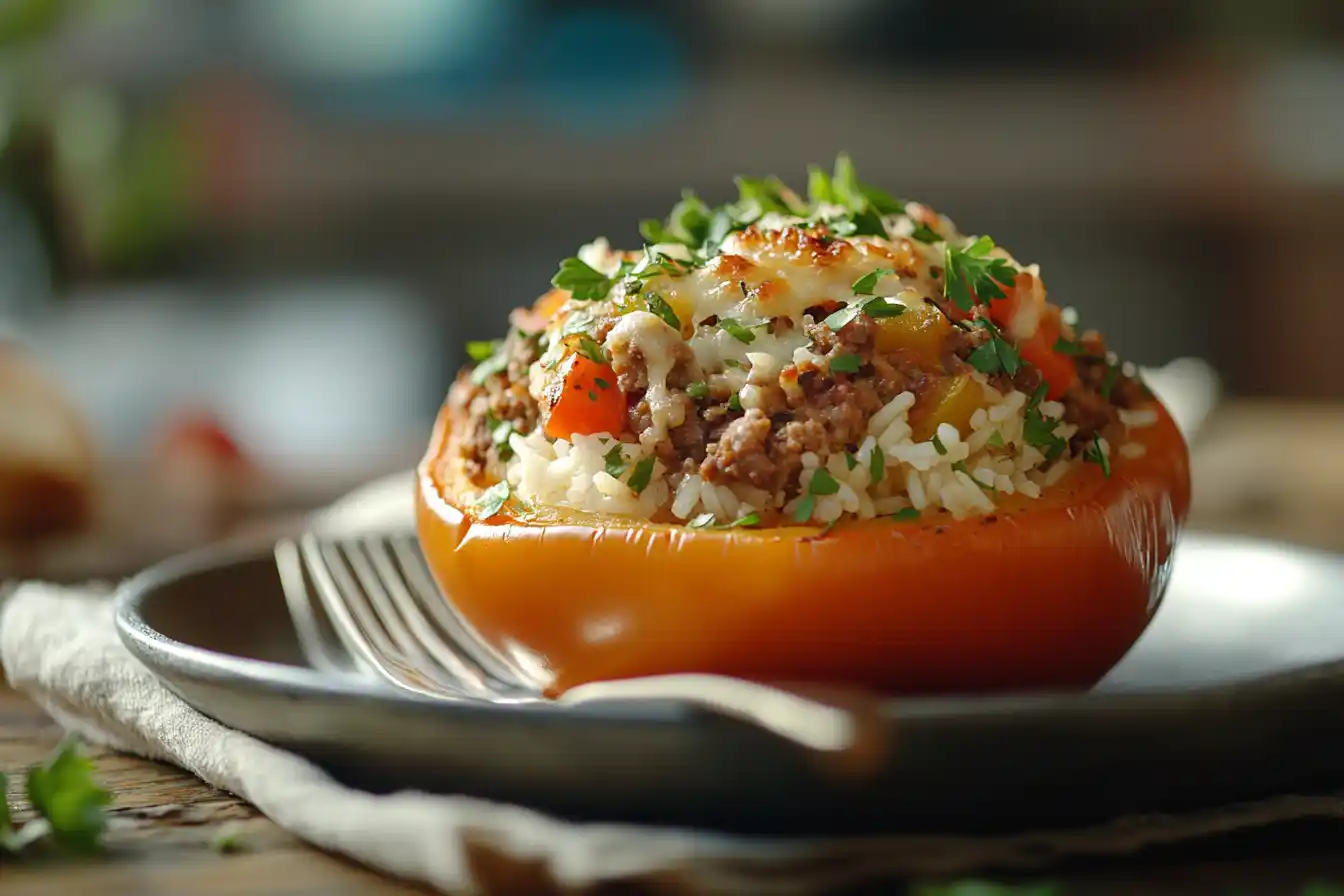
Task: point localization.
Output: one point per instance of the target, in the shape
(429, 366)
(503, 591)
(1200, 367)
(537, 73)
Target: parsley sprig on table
(70, 805)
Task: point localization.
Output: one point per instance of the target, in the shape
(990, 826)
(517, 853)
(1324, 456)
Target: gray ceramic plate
(1232, 694)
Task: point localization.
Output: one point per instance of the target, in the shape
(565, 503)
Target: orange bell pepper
(1046, 593)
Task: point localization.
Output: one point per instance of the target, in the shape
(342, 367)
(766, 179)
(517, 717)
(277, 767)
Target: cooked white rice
(964, 478)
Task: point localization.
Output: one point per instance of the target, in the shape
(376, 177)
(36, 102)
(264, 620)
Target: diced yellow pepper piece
(922, 330)
(952, 400)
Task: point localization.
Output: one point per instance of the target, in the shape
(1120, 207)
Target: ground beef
(498, 399)
(825, 413)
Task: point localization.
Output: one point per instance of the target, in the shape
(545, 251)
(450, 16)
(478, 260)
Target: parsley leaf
(1039, 432)
(865, 285)
(1069, 347)
(492, 500)
(67, 799)
(707, 521)
(614, 462)
(481, 350)
(640, 478)
(875, 308)
(494, 364)
(701, 521)
(1096, 455)
(658, 306)
(995, 440)
(1037, 396)
(591, 349)
(802, 511)
(849, 191)
(822, 483)
(971, 277)
(698, 390)
(737, 330)
(938, 444)
(851, 461)
(734, 402)
(865, 222)
(584, 283)
(906, 515)
(995, 356)
(846, 364)
(688, 223)
(819, 188)
(926, 234)
(758, 196)
(499, 437)
(747, 521)
(1112, 373)
(877, 465)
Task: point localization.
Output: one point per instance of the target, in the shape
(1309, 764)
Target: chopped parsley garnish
(734, 402)
(1039, 432)
(877, 465)
(731, 362)
(938, 444)
(758, 196)
(708, 521)
(865, 285)
(1097, 455)
(579, 322)
(736, 330)
(1069, 347)
(875, 308)
(583, 282)
(592, 396)
(926, 234)
(614, 462)
(849, 191)
(846, 363)
(906, 515)
(601, 383)
(492, 365)
(960, 467)
(698, 390)
(851, 461)
(821, 483)
(1112, 373)
(819, 188)
(482, 350)
(688, 223)
(865, 222)
(500, 430)
(591, 349)
(1038, 395)
(971, 277)
(639, 479)
(995, 440)
(995, 356)
(492, 500)
(67, 800)
(658, 305)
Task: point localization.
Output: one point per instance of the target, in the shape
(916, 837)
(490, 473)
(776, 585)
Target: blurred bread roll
(46, 455)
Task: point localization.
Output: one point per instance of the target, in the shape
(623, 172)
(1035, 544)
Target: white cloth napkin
(59, 646)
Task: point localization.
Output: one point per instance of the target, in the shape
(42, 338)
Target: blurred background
(289, 214)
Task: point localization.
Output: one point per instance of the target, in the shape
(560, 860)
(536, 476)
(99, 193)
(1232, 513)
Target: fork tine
(455, 633)
(387, 589)
(315, 639)
(355, 623)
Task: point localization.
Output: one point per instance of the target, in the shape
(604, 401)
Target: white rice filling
(963, 476)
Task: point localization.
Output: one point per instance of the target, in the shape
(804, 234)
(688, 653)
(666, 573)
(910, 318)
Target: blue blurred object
(386, 58)
(606, 71)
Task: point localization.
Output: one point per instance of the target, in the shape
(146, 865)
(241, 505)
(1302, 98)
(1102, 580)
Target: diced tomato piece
(585, 400)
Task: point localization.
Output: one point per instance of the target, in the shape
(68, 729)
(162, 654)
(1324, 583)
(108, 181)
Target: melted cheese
(765, 278)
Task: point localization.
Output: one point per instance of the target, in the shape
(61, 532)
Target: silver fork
(368, 604)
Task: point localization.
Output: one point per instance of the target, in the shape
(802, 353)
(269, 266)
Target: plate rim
(152, 647)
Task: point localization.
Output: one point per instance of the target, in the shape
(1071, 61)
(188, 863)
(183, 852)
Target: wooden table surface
(166, 822)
